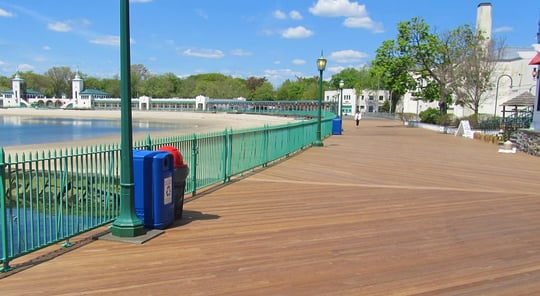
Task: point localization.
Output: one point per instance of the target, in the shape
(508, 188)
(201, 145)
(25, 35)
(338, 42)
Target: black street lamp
(497, 91)
(321, 65)
(341, 84)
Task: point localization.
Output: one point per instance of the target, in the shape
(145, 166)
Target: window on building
(371, 98)
(381, 98)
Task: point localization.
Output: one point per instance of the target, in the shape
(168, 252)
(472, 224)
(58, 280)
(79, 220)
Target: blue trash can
(142, 177)
(336, 126)
(162, 179)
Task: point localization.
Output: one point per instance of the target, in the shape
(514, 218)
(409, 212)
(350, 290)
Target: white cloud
(295, 15)
(299, 62)
(204, 53)
(40, 58)
(4, 13)
(335, 69)
(202, 14)
(25, 67)
(338, 8)
(356, 15)
(59, 27)
(106, 40)
(503, 29)
(280, 15)
(277, 76)
(140, 1)
(347, 56)
(296, 33)
(46, 47)
(240, 52)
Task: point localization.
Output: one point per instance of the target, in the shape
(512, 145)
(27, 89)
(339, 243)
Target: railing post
(3, 218)
(148, 142)
(193, 165)
(228, 167)
(265, 145)
(224, 157)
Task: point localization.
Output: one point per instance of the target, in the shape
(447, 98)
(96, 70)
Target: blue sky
(277, 39)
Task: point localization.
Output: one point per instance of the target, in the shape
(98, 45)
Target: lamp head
(341, 84)
(321, 63)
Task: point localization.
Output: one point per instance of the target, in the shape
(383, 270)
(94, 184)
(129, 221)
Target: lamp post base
(318, 143)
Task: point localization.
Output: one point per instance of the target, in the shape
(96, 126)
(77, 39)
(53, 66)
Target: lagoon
(23, 130)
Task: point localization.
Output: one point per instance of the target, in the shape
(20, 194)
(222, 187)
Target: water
(21, 130)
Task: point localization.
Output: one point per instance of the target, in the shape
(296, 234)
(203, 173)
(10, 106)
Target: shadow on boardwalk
(380, 210)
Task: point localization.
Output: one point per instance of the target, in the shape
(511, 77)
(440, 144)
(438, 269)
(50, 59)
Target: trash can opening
(177, 156)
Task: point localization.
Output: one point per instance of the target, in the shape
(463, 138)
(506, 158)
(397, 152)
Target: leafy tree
(92, 83)
(161, 86)
(252, 83)
(60, 78)
(139, 74)
(475, 71)
(282, 93)
(385, 107)
(392, 66)
(265, 92)
(38, 82)
(5, 83)
(435, 57)
(112, 87)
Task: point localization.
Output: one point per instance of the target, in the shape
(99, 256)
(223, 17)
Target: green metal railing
(50, 197)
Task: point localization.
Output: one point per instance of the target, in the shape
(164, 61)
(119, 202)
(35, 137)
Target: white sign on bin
(167, 187)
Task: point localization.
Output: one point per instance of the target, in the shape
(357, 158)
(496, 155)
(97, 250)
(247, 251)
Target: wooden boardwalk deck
(380, 210)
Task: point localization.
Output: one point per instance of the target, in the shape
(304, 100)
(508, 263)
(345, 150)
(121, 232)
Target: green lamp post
(341, 85)
(321, 65)
(127, 224)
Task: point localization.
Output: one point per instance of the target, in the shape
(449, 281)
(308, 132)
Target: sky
(276, 39)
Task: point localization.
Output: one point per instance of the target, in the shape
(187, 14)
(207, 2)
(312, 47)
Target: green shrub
(430, 115)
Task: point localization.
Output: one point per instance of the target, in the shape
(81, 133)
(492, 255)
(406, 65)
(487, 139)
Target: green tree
(5, 82)
(39, 83)
(112, 87)
(161, 86)
(139, 74)
(265, 92)
(392, 66)
(436, 58)
(60, 78)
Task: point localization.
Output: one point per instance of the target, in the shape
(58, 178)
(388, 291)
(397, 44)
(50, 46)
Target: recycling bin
(153, 178)
(336, 126)
(162, 179)
(142, 177)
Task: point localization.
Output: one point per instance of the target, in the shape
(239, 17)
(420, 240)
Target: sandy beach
(196, 123)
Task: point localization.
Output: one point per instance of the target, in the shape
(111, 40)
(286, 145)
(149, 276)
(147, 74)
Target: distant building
(367, 101)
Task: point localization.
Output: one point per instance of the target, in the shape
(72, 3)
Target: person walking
(357, 117)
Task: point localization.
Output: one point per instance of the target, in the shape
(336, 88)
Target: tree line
(452, 67)
(57, 82)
